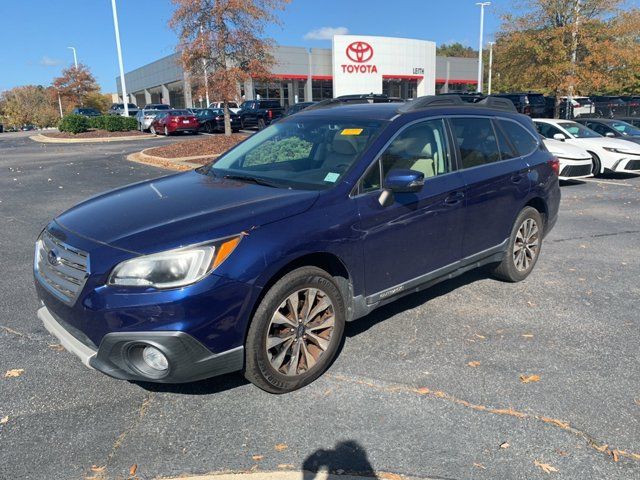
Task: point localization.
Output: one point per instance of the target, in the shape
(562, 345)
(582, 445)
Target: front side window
(579, 131)
(547, 130)
(476, 139)
(524, 143)
(306, 154)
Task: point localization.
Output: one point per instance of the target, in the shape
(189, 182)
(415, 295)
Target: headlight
(617, 150)
(173, 268)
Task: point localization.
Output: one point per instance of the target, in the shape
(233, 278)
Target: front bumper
(627, 165)
(119, 353)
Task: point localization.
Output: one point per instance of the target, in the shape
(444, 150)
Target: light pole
(480, 44)
(491, 44)
(75, 57)
(122, 81)
(206, 78)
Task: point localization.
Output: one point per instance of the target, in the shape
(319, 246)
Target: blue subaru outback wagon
(255, 262)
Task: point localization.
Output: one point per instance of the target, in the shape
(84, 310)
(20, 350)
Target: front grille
(575, 171)
(633, 165)
(61, 268)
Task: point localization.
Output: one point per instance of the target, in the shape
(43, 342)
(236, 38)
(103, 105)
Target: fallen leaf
(132, 470)
(285, 466)
(529, 378)
(527, 335)
(57, 347)
(614, 454)
(389, 476)
(4, 420)
(480, 336)
(423, 391)
(281, 446)
(479, 465)
(546, 468)
(95, 468)
(16, 372)
(601, 448)
(257, 458)
(531, 304)
(474, 364)
(504, 445)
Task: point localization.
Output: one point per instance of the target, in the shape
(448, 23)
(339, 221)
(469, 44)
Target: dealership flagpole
(481, 5)
(125, 100)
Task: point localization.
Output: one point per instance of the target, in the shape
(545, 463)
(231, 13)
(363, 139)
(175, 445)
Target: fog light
(155, 358)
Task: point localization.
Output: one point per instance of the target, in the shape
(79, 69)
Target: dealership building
(355, 64)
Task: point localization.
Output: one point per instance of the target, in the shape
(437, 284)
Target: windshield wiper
(256, 180)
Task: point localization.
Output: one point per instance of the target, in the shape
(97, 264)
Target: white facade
(361, 63)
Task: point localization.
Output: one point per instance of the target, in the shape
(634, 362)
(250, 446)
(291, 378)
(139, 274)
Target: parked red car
(173, 121)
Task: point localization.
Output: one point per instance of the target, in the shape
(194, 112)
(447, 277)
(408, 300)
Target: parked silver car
(118, 109)
(145, 118)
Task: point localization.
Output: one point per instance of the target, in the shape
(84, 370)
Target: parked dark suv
(259, 113)
(255, 262)
(531, 104)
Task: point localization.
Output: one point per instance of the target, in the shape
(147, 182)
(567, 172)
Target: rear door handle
(454, 198)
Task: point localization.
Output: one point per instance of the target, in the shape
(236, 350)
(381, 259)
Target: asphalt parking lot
(432, 386)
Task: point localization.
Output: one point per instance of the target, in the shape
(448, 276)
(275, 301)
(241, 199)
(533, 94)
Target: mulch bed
(96, 134)
(201, 146)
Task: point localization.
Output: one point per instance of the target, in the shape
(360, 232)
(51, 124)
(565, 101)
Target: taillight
(270, 114)
(554, 163)
(527, 110)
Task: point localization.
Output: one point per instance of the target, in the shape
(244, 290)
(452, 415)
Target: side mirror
(559, 136)
(404, 181)
(610, 134)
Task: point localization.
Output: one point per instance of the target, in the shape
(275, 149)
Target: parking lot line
(606, 182)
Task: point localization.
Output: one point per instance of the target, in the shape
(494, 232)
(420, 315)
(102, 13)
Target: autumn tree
(28, 105)
(566, 47)
(456, 50)
(224, 39)
(75, 84)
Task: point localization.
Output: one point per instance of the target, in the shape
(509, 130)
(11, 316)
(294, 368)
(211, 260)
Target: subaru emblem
(53, 258)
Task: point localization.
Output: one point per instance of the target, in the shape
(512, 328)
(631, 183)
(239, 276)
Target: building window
(267, 91)
(321, 89)
(405, 89)
(302, 86)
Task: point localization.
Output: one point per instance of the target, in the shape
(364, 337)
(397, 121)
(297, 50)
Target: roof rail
(431, 101)
(354, 99)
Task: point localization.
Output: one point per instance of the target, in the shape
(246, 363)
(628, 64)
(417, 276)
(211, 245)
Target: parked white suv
(608, 154)
(575, 162)
(233, 106)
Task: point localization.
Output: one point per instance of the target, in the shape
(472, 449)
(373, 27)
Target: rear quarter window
(523, 141)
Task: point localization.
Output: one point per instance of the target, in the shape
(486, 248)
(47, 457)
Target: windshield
(578, 131)
(179, 112)
(626, 129)
(307, 154)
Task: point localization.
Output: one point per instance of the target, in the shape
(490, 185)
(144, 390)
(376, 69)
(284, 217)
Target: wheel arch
(541, 206)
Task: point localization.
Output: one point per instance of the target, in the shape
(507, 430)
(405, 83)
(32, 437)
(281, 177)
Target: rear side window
(520, 138)
(269, 105)
(476, 140)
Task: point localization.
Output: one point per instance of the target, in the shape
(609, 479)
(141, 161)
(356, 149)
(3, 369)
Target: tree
(97, 100)
(456, 50)
(75, 84)
(225, 39)
(566, 47)
(29, 105)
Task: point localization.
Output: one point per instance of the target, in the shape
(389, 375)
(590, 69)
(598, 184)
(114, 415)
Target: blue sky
(36, 33)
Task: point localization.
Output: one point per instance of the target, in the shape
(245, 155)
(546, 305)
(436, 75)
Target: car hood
(181, 209)
(566, 150)
(601, 142)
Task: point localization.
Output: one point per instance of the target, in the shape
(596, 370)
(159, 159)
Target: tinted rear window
(476, 140)
(536, 99)
(272, 104)
(520, 138)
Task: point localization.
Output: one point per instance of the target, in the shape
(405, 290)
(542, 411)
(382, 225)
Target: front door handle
(454, 198)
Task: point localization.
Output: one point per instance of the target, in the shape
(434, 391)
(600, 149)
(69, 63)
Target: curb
(179, 164)
(44, 139)
(289, 475)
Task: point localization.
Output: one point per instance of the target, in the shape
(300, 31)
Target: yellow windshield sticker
(351, 131)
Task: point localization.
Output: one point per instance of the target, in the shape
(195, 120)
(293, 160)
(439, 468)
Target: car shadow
(203, 387)
(414, 300)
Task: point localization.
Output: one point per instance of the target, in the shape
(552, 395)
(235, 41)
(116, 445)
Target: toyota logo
(53, 257)
(359, 52)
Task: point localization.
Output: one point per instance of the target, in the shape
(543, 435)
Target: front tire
(152, 129)
(524, 247)
(596, 169)
(261, 124)
(166, 132)
(296, 331)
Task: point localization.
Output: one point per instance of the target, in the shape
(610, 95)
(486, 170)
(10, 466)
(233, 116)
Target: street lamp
(75, 57)
(122, 81)
(481, 5)
(491, 44)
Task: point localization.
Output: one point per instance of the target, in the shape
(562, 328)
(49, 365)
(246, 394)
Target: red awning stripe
(453, 80)
(403, 77)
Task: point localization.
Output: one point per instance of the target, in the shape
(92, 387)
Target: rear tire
(261, 124)
(166, 132)
(152, 129)
(523, 248)
(304, 339)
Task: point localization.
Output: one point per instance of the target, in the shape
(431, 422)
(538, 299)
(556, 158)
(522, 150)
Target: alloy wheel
(300, 331)
(526, 245)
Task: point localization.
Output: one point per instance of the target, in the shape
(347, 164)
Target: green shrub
(74, 124)
(116, 123)
(97, 122)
